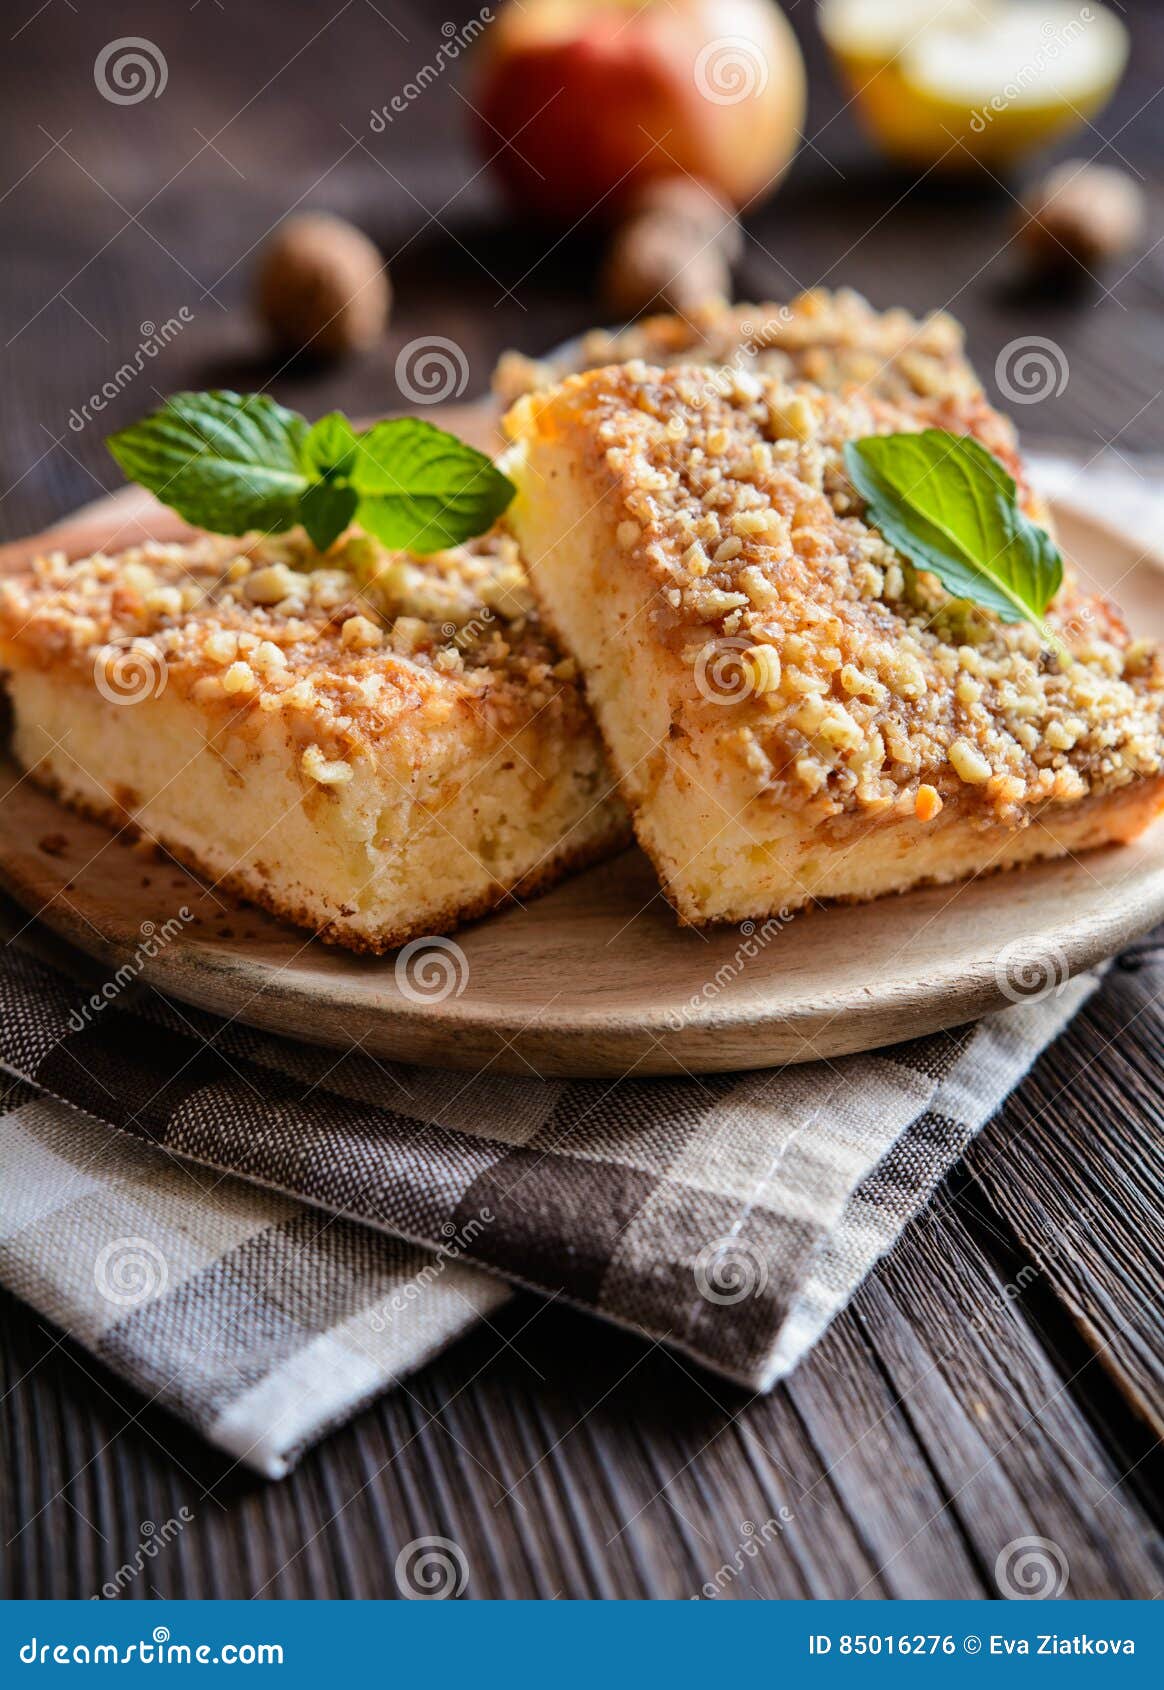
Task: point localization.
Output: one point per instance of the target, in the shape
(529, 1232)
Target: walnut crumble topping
(832, 339)
(871, 689)
(345, 648)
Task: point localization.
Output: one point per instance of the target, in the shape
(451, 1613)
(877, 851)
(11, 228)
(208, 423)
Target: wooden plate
(596, 978)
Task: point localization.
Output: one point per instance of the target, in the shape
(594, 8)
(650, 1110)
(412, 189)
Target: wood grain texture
(630, 1475)
(938, 1421)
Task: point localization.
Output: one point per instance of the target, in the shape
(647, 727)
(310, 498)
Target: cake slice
(791, 711)
(369, 745)
(835, 340)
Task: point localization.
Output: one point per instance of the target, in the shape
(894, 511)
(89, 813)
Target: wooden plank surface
(1000, 1377)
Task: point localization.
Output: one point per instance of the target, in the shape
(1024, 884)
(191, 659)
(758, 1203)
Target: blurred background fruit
(674, 250)
(596, 97)
(1080, 215)
(950, 83)
(321, 287)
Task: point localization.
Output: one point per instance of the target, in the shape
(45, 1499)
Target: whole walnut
(1080, 214)
(322, 286)
(692, 205)
(674, 251)
(653, 263)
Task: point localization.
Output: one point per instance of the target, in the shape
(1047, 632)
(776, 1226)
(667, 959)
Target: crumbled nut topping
(343, 650)
(876, 688)
(831, 339)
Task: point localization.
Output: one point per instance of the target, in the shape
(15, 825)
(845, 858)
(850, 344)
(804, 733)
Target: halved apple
(952, 82)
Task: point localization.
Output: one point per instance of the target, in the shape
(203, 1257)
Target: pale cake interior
(792, 715)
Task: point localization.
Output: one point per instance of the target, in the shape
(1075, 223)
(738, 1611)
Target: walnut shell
(674, 251)
(693, 205)
(655, 261)
(1081, 214)
(322, 286)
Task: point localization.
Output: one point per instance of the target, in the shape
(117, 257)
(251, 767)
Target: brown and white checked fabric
(730, 1216)
(258, 1320)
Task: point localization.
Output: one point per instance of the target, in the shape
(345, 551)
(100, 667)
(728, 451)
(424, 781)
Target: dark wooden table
(1000, 1376)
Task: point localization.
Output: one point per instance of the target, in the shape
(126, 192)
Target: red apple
(582, 101)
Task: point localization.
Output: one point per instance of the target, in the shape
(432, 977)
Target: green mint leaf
(325, 510)
(221, 460)
(231, 463)
(329, 503)
(949, 506)
(422, 489)
(330, 448)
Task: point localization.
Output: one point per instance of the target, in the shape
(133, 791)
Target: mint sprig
(948, 505)
(231, 463)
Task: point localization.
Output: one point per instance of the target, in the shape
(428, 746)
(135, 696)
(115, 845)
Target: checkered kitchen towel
(213, 1256)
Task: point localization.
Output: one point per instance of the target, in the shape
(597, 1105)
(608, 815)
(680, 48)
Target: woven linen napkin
(179, 1194)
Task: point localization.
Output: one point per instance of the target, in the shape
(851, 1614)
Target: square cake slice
(369, 745)
(791, 712)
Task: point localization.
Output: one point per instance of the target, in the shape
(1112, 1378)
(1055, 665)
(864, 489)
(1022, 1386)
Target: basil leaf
(221, 460)
(422, 489)
(949, 505)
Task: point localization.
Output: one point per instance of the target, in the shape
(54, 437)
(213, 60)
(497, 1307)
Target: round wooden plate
(596, 978)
